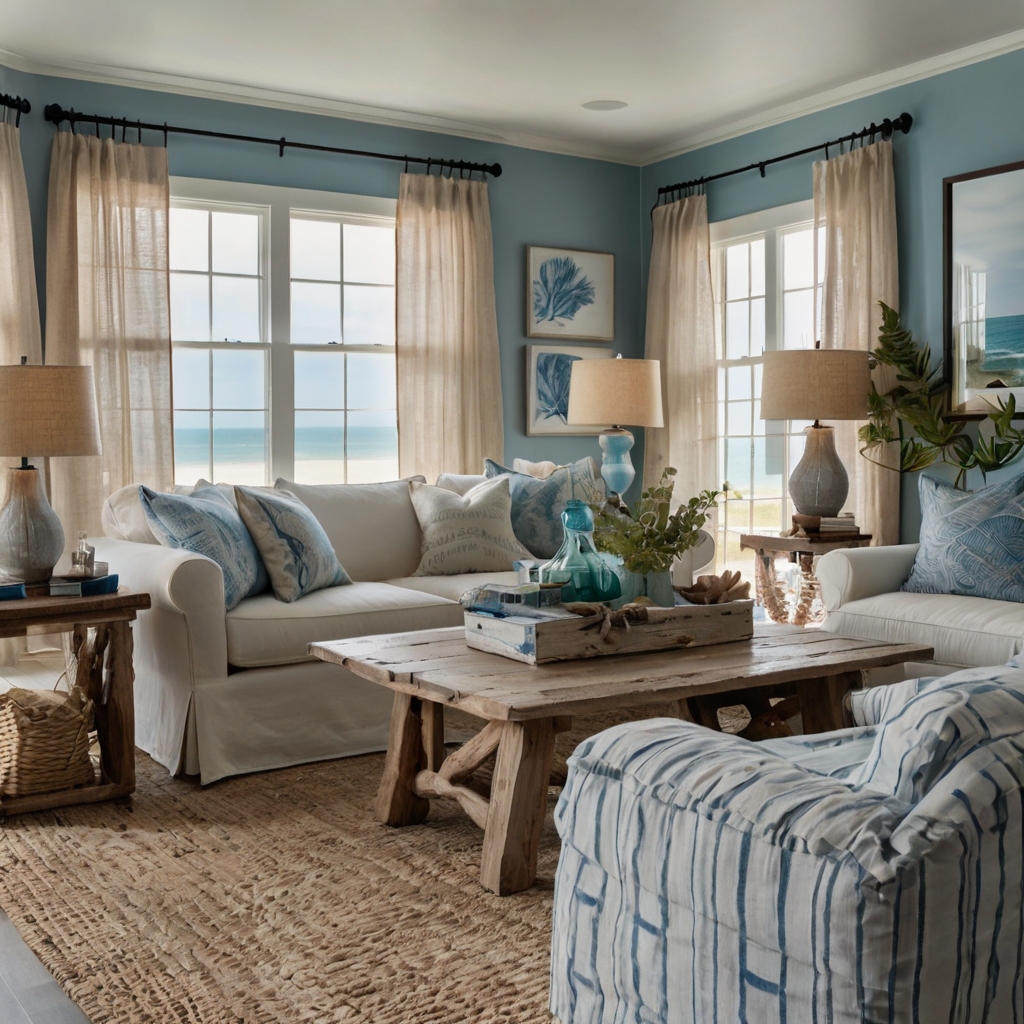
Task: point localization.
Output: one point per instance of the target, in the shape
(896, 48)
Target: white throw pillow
(540, 470)
(372, 527)
(460, 483)
(466, 533)
(124, 518)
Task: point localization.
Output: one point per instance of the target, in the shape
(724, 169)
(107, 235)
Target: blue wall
(963, 120)
(540, 199)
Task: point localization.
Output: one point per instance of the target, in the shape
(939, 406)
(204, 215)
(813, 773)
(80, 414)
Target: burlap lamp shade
(616, 391)
(44, 411)
(817, 384)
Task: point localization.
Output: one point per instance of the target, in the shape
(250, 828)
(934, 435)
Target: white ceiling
(518, 70)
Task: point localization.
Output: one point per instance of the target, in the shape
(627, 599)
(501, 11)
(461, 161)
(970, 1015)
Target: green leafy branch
(651, 536)
(911, 413)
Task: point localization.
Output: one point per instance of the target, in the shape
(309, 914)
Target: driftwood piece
(717, 589)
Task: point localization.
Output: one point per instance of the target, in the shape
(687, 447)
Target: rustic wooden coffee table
(526, 705)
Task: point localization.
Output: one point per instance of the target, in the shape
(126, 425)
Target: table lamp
(616, 391)
(44, 410)
(817, 384)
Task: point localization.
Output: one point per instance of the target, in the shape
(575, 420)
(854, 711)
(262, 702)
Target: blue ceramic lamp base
(616, 465)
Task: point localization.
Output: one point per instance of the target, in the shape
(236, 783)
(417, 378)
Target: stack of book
(83, 586)
(827, 527)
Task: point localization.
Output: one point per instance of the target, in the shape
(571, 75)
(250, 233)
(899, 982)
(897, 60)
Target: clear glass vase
(588, 576)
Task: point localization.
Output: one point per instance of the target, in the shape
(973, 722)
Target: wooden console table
(524, 706)
(103, 645)
(801, 550)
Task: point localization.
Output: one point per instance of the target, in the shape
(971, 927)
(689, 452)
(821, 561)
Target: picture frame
(570, 294)
(548, 371)
(983, 288)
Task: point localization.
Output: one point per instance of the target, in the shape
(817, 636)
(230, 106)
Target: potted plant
(650, 536)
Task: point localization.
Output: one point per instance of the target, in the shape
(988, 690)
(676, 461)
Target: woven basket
(44, 741)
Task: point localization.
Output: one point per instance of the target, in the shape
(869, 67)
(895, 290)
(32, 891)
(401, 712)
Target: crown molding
(233, 92)
(863, 87)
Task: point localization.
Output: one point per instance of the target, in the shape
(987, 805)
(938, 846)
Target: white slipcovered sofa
(861, 592)
(220, 693)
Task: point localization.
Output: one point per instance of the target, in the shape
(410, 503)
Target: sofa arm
(179, 642)
(850, 574)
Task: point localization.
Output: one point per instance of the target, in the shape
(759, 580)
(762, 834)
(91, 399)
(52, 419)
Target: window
(763, 268)
(283, 331)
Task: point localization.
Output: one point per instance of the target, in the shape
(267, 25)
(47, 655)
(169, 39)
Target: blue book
(70, 586)
(12, 592)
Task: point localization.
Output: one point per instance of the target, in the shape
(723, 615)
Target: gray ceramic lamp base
(819, 484)
(31, 537)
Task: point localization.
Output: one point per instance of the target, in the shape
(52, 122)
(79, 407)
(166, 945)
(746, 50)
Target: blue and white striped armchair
(870, 875)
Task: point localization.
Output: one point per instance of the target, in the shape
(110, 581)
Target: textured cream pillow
(466, 533)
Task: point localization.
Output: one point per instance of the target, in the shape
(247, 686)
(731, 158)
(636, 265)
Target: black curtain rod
(56, 114)
(885, 129)
(16, 103)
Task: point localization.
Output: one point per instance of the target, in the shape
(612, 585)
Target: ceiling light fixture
(604, 105)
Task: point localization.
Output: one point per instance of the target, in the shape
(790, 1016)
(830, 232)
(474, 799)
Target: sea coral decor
(548, 374)
(571, 294)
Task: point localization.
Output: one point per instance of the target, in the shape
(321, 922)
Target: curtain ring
(140, 132)
(165, 134)
(407, 164)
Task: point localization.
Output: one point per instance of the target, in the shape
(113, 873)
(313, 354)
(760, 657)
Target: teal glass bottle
(577, 561)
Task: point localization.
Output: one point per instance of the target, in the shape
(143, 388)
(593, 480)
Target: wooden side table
(801, 550)
(103, 644)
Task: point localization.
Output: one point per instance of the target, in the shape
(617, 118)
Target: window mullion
(282, 360)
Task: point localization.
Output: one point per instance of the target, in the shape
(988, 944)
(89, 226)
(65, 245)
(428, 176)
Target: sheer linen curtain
(108, 307)
(681, 333)
(855, 201)
(449, 374)
(19, 306)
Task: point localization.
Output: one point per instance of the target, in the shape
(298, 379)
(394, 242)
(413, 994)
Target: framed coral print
(548, 370)
(571, 294)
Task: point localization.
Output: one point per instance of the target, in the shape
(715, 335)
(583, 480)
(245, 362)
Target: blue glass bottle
(577, 560)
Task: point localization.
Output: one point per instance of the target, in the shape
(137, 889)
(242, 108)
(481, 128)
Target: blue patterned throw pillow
(537, 504)
(294, 547)
(207, 522)
(971, 543)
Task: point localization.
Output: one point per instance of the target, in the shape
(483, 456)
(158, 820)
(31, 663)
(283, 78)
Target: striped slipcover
(870, 875)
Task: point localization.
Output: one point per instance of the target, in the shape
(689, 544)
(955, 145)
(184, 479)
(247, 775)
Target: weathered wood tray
(537, 641)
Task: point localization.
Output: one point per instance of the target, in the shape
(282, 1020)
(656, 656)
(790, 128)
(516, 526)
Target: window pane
(369, 254)
(739, 382)
(191, 446)
(319, 381)
(768, 516)
(757, 267)
(372, 447)
(737, 285)
(737, 342)
(236, 243)
(191, 378)
(236, 309)
(316, 314)
(798, 259)
(737, 464)
(756, 327)
(316, 249)
(238, 380)
(369, 315)
(767, 472)
(320, 447)
(190, 307)
(240, 447)
(798, 320)
(188, 239)
(371, 381)
(739, 418)
(796, 450)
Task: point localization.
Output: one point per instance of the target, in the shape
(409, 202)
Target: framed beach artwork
(548, 371)
(983, 228)
(571, 294)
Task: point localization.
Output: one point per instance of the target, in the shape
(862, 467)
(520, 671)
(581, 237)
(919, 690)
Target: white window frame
(771, 225)
(277, 205)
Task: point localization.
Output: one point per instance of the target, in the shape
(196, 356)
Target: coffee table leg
(821, 700)
(397, 802)
(519, 795)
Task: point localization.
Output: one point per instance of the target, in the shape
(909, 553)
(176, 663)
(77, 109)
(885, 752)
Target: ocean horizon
(1004, 343)
(247, 445)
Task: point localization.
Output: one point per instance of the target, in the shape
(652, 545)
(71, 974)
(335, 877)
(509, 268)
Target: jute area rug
(278, 898)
